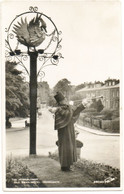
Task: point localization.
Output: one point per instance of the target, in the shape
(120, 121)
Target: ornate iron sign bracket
(48, 50)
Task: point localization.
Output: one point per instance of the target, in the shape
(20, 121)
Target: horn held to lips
(92, 98)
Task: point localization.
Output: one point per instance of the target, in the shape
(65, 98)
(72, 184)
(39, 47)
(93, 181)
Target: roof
(100, 88)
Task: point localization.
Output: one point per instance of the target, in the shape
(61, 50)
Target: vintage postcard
(61, 78)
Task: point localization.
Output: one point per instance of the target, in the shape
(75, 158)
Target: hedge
(106, 125)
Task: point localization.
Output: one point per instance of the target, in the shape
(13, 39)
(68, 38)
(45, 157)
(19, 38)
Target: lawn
(37, 172)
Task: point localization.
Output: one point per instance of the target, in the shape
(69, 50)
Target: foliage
(110, 114)
(76, 98)
(63, 86)
(111, 126)
(43, 91)
(78, 87)
(52, 101)
(107, 114)
(19, 176)
(17, 102)
(101, 175)
(97, 104)
(103, 121)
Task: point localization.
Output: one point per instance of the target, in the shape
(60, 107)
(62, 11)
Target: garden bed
(23, 173)
(19, 176)
(101, 175)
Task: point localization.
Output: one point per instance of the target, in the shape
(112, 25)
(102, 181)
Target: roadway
(97, 148)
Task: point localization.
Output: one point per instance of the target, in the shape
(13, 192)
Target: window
(113, 83)
(109, 83)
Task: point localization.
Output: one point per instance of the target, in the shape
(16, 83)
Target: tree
(77, 98)
(97, 104)
(80, 86)
(43, 91)
(17, 101)
(52, 101)
(64, 87)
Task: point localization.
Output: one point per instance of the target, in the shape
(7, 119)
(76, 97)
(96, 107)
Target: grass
(39, 171)
(99, 174)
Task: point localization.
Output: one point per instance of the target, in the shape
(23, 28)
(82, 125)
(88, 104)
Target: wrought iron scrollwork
(47, 54)
(42, 74)
(33, 9)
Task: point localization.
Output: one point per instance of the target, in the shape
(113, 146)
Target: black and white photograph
(61, 95)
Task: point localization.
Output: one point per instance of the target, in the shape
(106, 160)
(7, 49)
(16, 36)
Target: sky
(91, 38)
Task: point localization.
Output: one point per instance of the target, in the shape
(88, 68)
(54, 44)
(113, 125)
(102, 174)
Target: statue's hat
(59, 97)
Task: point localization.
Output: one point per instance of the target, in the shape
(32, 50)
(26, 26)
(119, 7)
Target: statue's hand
(71, 102)
(53, 110)
(87, 102)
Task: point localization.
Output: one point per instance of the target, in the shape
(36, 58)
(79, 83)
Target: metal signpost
(37, 33)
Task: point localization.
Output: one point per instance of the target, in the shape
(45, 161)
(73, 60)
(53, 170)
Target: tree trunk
(8, 123)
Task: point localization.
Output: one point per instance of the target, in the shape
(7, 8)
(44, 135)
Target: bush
(112, 126)
(107, 114)
(16, 173)
(96, 123)
(116, 113)
(116, 125)
(106, 124)
(96, 172)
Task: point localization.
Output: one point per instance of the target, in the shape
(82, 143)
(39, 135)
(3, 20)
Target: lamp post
(30, 30)
(33, 100)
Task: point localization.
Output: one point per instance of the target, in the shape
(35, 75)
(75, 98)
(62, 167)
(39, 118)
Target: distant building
(110, 90)
(43, 92)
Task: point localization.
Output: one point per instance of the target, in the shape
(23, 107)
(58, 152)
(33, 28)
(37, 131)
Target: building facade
(110, 91)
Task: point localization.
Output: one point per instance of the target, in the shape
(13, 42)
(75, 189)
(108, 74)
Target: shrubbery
(19, 176)
(101, 175)
(107, 120)
(17, 93)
